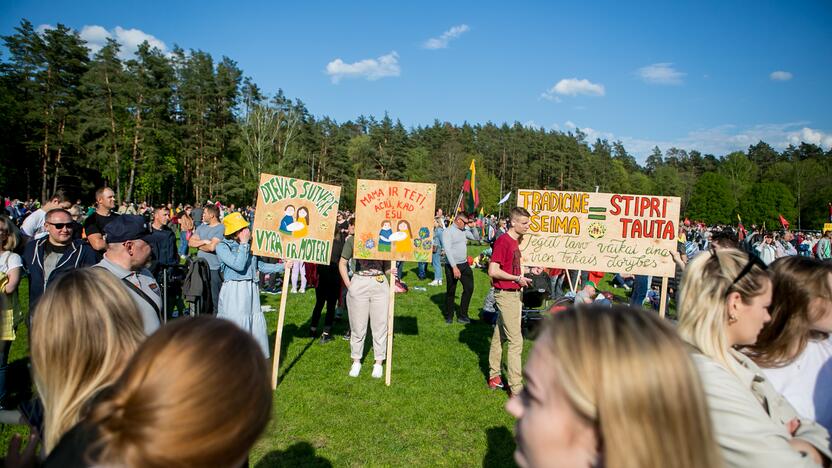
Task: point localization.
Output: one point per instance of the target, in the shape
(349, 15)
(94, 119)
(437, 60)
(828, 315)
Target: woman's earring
(732, 319)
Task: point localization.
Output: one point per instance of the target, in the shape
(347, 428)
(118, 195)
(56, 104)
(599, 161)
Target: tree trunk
(113, 138)
(58, 156)
(44, 161)
(135, 151)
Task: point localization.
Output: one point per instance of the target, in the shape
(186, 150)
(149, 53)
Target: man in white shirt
(33, 225)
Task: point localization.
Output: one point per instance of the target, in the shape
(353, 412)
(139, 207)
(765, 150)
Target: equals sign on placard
(594, 213)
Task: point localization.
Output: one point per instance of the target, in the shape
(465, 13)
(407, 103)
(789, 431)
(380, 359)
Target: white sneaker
(302, 290)
(378, 370)
(434, 283)
(293, 291)
(440, 282)
(356, 369)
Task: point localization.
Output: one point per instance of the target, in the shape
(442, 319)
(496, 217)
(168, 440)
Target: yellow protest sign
(394, 220)
(600, 231)
(295, 219)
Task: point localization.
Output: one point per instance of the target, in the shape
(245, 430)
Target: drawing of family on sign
(399, 241)
(295, 223)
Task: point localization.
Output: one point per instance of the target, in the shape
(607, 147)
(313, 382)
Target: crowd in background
(741, 378)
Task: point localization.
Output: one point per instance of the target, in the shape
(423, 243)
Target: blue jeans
(422, 270)
(640, 287)
(183, 243)
(436, 262)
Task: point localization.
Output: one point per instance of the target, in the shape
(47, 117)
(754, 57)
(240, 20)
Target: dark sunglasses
(752, 261)
(60, 226)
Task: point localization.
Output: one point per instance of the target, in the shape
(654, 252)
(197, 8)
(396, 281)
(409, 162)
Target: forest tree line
(183, 126)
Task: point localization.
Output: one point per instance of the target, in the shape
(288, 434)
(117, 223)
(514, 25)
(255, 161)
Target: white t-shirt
(9, 261)
(807, 382)
(33, 224)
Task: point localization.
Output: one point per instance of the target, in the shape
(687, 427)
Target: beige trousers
(508, 329)
(367, 300)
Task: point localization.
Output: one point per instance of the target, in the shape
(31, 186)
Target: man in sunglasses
(49, 257)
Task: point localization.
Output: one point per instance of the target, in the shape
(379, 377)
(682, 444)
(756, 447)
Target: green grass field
(437, 412)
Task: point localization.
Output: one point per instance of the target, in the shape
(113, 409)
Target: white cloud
(573, 87)
(371, 69)
(660, 73)
(780, 75)
(43, 27)
(96, 37)
(442, 41)
(719, 140)
(810, 135)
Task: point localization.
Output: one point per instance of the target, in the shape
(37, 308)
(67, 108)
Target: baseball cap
(591, 283)
(126, 228)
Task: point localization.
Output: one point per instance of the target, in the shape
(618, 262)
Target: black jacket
(78, 255)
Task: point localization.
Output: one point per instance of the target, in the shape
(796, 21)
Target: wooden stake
(388, 363)
(569, 278)
(278, 333)
(663, 300)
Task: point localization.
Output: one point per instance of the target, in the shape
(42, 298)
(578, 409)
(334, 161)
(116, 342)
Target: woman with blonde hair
(195, 394)
(11, 266)
(612, 387)
(794, 349)
(86, 327)
(725, 296)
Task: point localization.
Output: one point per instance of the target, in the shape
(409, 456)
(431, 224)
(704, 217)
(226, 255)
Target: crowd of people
(742, 378)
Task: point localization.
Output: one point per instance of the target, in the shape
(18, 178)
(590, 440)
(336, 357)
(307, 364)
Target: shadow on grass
(405, 325)
(439, 300)
(299, 454)
(500, 448)
(477, 336)
(295, 361)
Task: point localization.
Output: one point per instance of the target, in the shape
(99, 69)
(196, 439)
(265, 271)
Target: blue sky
(709, 75)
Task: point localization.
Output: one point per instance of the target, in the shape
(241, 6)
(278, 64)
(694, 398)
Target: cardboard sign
(827, 227)
(600, 231)
(394, 220)
(295, 219)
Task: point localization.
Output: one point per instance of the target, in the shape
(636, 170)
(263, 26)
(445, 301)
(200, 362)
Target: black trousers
(466, 277)
(327, 292)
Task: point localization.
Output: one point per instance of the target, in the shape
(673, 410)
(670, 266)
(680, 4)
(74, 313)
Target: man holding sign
(508, 280)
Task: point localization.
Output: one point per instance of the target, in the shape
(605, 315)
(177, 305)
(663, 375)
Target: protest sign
(827, 227)
(600, 231)
(295, 219)
(394, 220)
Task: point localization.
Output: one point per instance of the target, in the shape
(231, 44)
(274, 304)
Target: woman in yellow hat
(239, 299)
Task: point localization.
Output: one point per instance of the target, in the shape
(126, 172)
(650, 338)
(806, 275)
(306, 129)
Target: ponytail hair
(200, 380)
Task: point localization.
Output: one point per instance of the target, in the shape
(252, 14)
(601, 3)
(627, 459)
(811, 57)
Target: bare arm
(495, 272)
(342, 269)
(97, 241)
(14, 280)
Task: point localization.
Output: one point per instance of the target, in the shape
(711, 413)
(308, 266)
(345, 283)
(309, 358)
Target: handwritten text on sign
(295, 219)
(394, 220)
(600, 231)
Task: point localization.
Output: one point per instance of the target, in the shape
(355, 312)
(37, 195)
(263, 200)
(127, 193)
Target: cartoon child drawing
(404, 243)
(288, 218)
(384, 236)
(302, 219)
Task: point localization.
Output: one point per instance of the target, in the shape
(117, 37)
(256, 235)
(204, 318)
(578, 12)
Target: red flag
(687, 221)
(783, 221)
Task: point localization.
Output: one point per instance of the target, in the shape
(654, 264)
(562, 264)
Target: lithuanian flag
(470, 194)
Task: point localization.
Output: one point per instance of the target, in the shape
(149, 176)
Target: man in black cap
(126, 257)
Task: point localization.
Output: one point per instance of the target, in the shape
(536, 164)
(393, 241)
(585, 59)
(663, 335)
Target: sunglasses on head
(752, 261)
(60, 226)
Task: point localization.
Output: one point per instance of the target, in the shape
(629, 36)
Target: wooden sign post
(393, 221)
(606, 232)
(295, 220)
